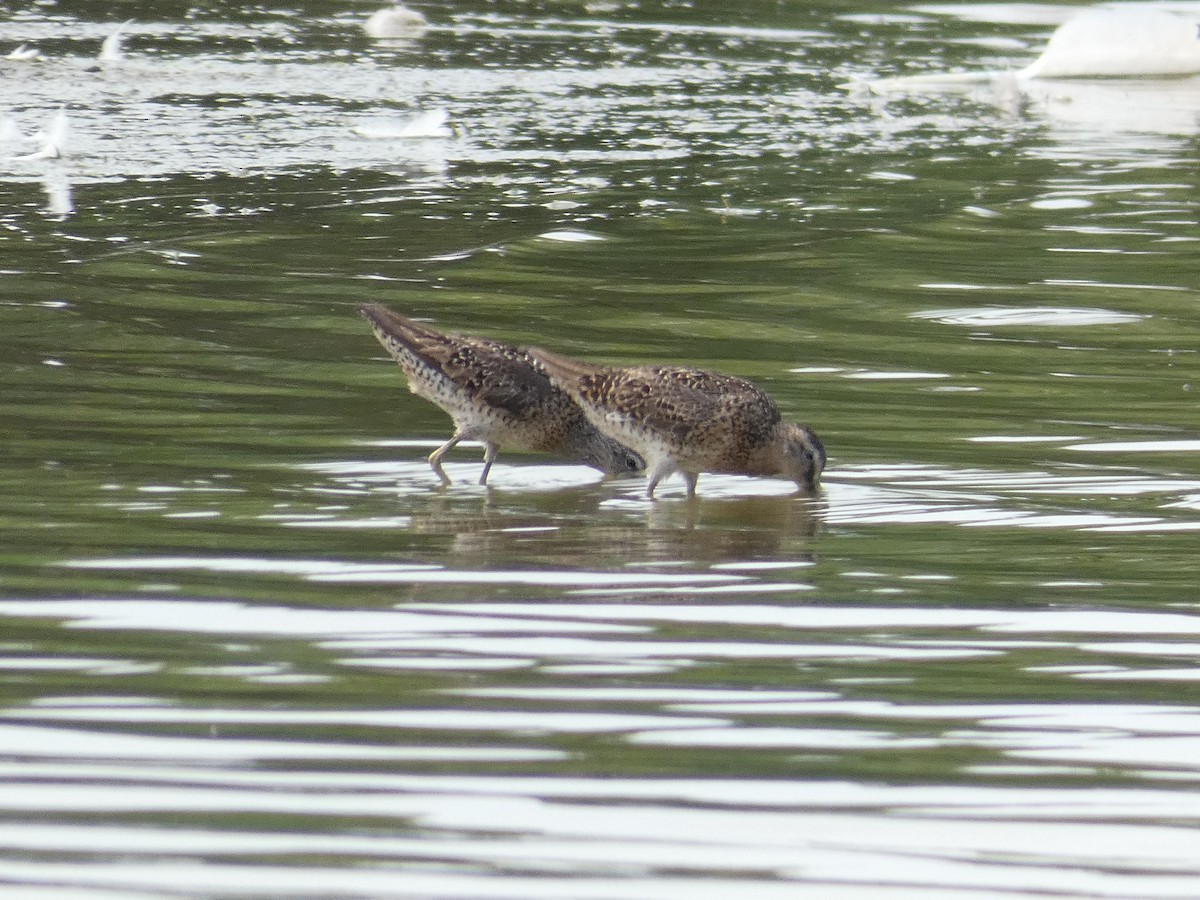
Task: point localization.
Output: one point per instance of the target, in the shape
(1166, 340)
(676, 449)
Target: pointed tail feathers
(563, 369)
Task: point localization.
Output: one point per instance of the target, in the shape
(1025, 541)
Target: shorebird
(111, 49)
(24, 53)
(496, 394)
(1120, 42)
(395, 22)
(430, 124)
(1135, 41)
(53, 137)
(689, 420)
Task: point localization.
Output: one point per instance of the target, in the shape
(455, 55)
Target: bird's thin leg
(660, 471)
(489, 457)
(690, 478)
(435, 458)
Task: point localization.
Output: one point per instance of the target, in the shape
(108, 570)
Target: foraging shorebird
(495, 394)
(690, 421)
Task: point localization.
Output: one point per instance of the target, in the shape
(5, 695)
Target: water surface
(250, 648)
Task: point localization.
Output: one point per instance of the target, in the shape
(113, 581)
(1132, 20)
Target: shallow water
(249, 647)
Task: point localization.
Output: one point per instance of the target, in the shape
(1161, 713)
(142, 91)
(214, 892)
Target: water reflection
(638, 827)
(739, 518)
(1058, 317)
(59, 202)
(249, 647)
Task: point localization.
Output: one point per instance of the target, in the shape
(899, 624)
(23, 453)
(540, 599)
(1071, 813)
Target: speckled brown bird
(690, 421)
(496, 394)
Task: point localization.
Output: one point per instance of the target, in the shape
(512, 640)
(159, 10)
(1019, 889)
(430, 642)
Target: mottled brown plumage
(690, 421)
(495, 394)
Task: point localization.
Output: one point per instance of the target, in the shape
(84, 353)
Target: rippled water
(249, 648)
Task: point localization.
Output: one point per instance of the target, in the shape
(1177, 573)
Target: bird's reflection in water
(579, 529)
(59, 203)
(744, 529)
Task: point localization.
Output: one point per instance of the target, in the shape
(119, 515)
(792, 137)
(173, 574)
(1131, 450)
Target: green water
(249, 646)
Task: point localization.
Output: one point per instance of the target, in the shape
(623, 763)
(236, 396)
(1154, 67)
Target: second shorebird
(690, 421)
(495, 394)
